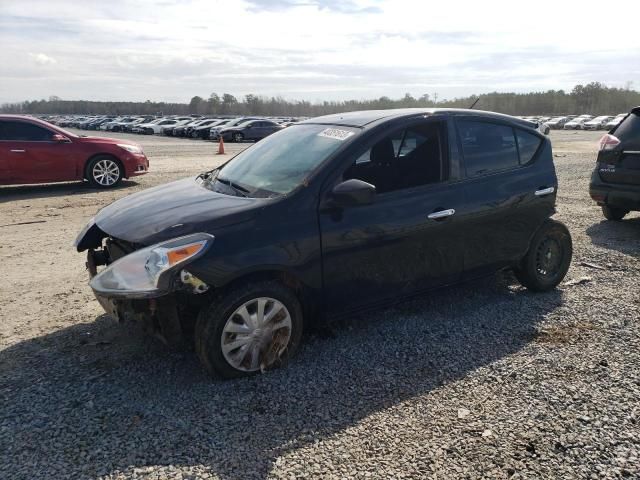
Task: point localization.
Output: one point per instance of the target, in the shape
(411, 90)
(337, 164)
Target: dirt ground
(49, 316)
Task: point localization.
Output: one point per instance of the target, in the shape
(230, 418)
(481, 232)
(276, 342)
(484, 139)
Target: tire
(194, 134)
(252, 353)
(613, 213)
(104, 171)
(237, 137)
(551, 249)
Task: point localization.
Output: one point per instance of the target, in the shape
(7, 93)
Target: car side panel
(505, 212)
(45, 162)
(271, 246)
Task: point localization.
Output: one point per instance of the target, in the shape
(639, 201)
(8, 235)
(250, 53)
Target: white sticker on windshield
(335, 133)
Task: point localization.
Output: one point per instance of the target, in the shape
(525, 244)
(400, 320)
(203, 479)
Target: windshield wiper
(238, 188)
(207, 176)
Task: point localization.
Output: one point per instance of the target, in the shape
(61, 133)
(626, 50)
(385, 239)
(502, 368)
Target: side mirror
(353, 192)
(58, 138)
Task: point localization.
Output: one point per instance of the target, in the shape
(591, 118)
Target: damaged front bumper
(130, 290)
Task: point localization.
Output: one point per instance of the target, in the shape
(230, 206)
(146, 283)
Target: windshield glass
(282, 161)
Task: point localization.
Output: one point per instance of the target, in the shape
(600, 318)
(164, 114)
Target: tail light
(609, 142)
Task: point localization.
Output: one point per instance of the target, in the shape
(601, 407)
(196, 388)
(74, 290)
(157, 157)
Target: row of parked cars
(579, 122)
(235, 129)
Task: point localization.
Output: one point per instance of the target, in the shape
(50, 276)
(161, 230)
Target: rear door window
(487, 147)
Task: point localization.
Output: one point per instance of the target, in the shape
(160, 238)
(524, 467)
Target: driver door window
(24, 132)
(407, 158)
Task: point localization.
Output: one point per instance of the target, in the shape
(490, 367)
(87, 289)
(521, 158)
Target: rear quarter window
(629, 129)
(528, 145)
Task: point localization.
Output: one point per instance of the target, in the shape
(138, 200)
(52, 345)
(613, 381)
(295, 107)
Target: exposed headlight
(130, 148)
(149, 272)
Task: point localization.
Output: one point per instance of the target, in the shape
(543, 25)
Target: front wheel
(613, 213)
(104, 172)
(250, 329)
(238, 137)
(548, 259)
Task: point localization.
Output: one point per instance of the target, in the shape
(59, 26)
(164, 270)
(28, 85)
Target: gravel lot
(483, 380)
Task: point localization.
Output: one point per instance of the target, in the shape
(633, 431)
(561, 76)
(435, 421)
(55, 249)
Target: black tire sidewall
(613, 213)
(527, 273)
(92, 163)
(212, 319)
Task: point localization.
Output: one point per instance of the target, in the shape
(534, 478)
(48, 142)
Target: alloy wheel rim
(106, 172)
(548, 258)
(238, 137)
(256, 334)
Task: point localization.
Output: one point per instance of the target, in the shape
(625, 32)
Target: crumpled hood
(172, 210)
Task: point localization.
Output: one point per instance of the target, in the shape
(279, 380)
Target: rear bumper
(626, 197)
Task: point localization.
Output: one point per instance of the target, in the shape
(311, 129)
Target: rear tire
(247, 337)
(548, 259)
(613, 213)
(104, 171)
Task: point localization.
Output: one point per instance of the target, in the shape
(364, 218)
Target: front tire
(250, 329)
(548, 259)
(613, 213)
(238, 137)
(104, 172)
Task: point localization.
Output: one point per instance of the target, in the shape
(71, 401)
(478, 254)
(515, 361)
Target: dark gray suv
(615, 182)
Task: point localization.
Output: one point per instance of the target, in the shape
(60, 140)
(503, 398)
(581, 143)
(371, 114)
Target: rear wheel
(104, 172)
(548, 259)
(613, 213)
(250, 329)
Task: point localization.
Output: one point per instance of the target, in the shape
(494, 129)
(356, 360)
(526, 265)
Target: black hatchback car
(325, 218)
(615, 181)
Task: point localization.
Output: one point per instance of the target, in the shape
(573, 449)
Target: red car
(35, 151)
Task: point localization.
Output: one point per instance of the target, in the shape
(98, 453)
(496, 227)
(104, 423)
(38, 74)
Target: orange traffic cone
(221, 146)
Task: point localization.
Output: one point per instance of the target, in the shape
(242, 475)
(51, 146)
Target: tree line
(594, 98)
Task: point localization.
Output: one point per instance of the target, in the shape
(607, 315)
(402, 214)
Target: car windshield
(284, 160)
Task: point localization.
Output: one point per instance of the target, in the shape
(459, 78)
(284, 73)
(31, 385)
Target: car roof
(367, 118)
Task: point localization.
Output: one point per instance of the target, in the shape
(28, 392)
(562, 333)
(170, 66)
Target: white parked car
(154, 127)
(615, 121)
(576, 123)
(597, 123)
(557, 122)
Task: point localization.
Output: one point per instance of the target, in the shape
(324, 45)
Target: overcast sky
(311, 49)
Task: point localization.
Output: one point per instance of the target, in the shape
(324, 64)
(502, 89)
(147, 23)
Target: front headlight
(149, 272)
(130, 148)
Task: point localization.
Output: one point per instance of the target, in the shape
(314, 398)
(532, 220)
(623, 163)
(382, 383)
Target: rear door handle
(544, 191)
(441, 214)
(18, 151)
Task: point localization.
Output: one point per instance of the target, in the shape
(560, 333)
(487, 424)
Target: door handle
(441, 214)
(544, 191)
(18, 151)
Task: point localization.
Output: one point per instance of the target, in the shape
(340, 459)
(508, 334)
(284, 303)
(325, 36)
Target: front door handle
(544, 191)
(441, 214)
(18, 151)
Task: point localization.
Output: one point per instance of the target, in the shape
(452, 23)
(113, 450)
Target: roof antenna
(474, 103)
